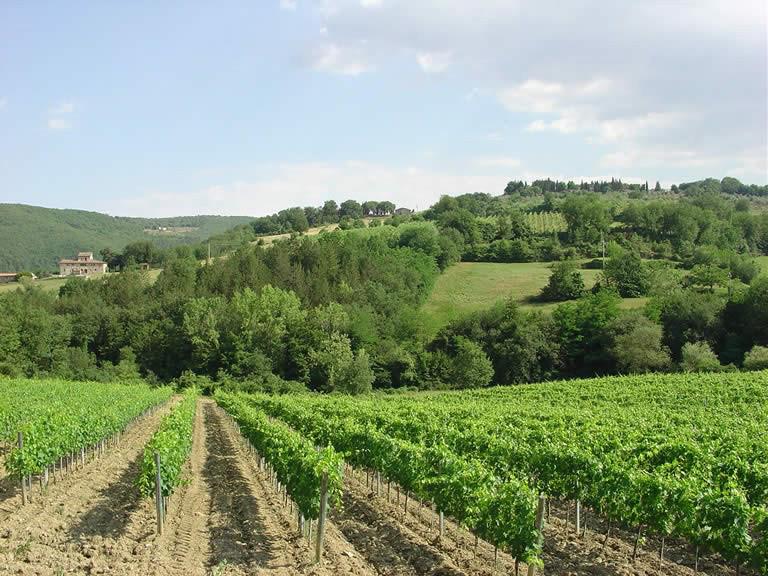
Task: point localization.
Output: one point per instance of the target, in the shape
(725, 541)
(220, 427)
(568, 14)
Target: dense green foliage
(58, 418)
(502, 512)
(681, 455)
(173, 442)
(299, 466)
(343, 310)
(34, 238)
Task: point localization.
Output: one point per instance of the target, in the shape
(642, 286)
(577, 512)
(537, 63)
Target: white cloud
(542, 59)
(370, 3)
(59, 124)
(339, 60)
(59, 115)
(748, 163)
(62, 108)
(497, 161)
(532, 96)
(434, 62)
(309, 184)
(288, 4)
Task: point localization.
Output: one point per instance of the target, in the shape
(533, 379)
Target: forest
(342, 310)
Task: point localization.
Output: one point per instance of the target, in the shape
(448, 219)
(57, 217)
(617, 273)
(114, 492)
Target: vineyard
(661, 466)
(546, 222)
(55, 424)
(676, 456)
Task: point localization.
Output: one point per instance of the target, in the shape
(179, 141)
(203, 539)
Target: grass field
(53, 284)
(471, 286)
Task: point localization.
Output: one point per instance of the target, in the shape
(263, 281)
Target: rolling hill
(35, 238)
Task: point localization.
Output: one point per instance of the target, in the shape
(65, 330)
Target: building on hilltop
(84, 265)
(402, 211)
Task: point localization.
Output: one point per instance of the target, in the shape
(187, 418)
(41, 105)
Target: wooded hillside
(35, 238)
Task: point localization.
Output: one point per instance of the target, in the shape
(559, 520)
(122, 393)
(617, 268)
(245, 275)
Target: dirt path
(371, 516)
(86, 522)
(228, 520)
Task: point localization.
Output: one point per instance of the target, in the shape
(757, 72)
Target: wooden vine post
(159, 495)
(322, 518)
(23, 479)
(539, 530)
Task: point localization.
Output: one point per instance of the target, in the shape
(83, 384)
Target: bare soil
(565, 553)
(227, 519)
(224, 521)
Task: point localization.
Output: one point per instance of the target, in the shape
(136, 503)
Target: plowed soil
(227, 519)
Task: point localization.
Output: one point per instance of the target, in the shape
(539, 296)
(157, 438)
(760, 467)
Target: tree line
(341, 311)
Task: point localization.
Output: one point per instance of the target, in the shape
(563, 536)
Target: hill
(471, 286)
(35, 238)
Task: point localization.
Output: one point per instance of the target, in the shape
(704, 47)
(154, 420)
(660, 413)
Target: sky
(245, 108)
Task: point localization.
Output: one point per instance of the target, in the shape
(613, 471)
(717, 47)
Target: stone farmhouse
(84, 265)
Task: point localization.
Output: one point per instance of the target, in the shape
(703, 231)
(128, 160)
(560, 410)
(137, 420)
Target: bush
(626, 272)
(756, 359)
(594, 264)
(565, 283)
(699, 357)
(471, 366)
(640, 350)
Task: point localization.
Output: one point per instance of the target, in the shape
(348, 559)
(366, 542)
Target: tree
(334, 367)
(756, 359)
(471, 366)
(641, 350)
(687, 316)
(296, 219)
(657, 188)
(581, 330)
(370, 207)
(708, 275)
(699, 357)
(351, 209)
(625, 272)
(730, 185)
(565, 283)
(330, 212)
(385, 208)
(587, 217)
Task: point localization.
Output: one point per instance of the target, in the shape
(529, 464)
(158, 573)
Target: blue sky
(168, 108)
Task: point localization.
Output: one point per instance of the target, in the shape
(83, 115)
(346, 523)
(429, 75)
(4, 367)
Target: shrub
(565, 283)
(640, 350)
(756, 359)
(699, 357)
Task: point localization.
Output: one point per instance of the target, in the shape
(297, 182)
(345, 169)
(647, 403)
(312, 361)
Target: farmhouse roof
(6, 274)
(86, 262)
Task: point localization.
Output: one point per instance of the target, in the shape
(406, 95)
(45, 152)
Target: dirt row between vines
(228, 520)
(565, 553)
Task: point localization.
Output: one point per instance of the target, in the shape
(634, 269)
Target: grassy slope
(34, 238)
(470, 286)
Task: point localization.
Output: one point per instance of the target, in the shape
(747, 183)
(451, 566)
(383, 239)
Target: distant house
(84, 265)
(402, 211)
(6, 277)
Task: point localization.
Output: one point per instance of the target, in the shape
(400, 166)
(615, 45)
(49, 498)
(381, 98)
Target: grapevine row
(172, 442)
(503, 513)
(69, 425)
(712, 492)
(299, 466)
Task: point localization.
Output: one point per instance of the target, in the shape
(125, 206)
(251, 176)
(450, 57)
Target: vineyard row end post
(539, 530)
(23, 479)
(158, 494)
(321, 519)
